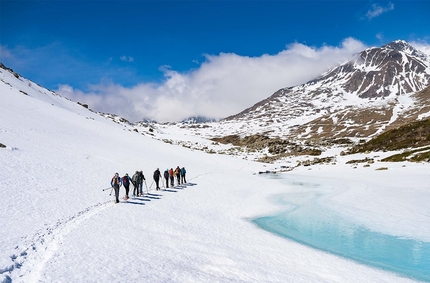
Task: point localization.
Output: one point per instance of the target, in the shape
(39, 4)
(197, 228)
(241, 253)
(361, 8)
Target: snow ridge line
(38, 250)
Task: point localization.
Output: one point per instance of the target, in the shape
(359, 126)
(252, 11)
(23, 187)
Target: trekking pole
(146, 187)
(135, 188)
(111, 191)
(106, 189)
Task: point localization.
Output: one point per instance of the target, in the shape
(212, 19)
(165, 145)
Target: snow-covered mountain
(375, 90)
(197, 119)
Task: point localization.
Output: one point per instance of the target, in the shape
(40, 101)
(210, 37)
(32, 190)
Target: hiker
(126, 183)
(141, 179)
(183, 171)
(178, 174)
(172, 178)
(116, 183)
(135, 181)
(157, 175)
(166, 176)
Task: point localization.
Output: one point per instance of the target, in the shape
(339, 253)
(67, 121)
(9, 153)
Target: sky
(169, 60)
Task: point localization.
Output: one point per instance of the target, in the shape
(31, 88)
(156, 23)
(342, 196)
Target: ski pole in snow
(146, 187)
(111, 191)
(106, 189)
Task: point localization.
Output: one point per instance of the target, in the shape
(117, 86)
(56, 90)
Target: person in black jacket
(141, 179)
(126, 180)
(135, 182)
(166, 176)
(157, 175)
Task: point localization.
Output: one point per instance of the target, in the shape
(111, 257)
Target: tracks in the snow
(34, 252)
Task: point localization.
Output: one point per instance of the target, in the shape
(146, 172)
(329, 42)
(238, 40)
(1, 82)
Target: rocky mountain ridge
(377, 89)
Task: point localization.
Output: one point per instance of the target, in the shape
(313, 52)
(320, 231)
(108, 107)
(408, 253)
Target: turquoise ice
(308, 223)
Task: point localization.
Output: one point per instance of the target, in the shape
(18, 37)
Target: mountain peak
(403, 46)
(399, 45)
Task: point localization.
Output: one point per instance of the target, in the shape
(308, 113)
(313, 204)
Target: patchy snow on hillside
(60, 225)
(369, 82)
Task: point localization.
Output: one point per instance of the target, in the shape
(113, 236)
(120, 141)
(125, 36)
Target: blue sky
(167, 60)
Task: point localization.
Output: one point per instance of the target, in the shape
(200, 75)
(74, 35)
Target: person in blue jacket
(183, 171)
(116, 182)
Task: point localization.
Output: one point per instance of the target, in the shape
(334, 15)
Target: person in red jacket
(172, 178)
(178, 174)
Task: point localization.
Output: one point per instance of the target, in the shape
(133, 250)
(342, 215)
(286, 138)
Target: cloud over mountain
(222, 85)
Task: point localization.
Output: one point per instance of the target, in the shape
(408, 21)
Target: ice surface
(324, 228)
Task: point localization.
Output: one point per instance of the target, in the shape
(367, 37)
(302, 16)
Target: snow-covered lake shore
(375, 222)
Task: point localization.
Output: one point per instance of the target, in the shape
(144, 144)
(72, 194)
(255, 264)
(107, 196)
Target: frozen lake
(306, 221)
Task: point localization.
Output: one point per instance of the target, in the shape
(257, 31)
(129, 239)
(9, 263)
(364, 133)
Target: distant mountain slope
(412, 138)
(360, 98)
(197, 119)
(412, 135)
(13, 83)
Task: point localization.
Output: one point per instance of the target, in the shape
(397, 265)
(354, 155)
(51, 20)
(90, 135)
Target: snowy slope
(59, 226)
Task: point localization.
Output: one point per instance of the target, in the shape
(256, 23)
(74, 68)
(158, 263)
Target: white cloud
(222, 85)
(422, 46)
(377, 10)
(127, 58)
(5, 52)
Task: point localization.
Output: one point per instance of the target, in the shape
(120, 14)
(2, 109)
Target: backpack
(125, 180)
(115, 180)
(135, 177)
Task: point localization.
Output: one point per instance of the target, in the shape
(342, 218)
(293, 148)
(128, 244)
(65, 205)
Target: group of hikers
(138, 179)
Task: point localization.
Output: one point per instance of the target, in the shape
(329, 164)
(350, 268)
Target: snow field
(59, 226)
